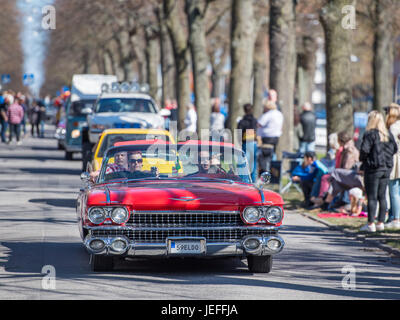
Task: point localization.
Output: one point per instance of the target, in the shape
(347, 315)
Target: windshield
(76, 107)
(125, 105)
(110, 139)
(166, 161)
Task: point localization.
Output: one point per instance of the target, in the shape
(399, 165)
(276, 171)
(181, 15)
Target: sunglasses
(135, 160)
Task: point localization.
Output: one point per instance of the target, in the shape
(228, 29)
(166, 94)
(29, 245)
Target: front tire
(259, 264)
(100, 263)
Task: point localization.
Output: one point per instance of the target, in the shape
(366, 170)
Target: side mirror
(165, 112)
(87, 111)
(266, 177)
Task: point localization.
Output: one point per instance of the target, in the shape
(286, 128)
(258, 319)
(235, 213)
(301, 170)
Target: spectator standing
(3, 118)
(15, 114)
(191, 119)
(34, 119)
(268, 134)
(308, 123)
(217, 120)
(393, 124)
(41, 118)
(248, 125)
(376, 154)
(25, 107)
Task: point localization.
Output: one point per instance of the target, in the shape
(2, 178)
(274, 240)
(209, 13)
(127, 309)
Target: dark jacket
(376, 155)
(308, 122)
(248, 122)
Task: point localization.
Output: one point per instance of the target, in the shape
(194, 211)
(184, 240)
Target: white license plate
(185, 247)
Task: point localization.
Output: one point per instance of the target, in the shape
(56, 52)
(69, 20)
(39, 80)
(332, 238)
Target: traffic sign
(28, 79)
(5, 78)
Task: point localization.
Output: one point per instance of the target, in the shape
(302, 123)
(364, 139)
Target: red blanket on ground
(341, 215)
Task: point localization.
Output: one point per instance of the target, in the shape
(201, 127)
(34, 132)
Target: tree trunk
(282, 41)
(259, 70)
(152, 61)
(195, 10)
(166, 59)
(242, 49)
(306, 63)
(181, 56)
(338, 46)
(383, 54)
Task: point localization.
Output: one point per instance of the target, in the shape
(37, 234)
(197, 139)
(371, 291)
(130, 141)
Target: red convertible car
(195, 199)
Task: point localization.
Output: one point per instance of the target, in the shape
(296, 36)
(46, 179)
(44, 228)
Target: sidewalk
(388, 240)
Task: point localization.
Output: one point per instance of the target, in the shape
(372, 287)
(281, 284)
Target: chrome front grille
(160, 235)
(185, 219)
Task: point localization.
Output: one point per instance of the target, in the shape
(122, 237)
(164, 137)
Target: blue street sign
(28, 79)
(5, 78)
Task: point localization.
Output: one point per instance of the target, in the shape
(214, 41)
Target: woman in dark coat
(376, 154)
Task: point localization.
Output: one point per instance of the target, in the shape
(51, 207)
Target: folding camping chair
(294, 159)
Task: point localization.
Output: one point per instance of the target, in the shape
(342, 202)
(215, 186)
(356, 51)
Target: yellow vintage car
(110, 137)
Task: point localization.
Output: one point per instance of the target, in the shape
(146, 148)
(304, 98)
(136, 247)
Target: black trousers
(266, 154)
(306, 187)
(375, 187)
(15, 129)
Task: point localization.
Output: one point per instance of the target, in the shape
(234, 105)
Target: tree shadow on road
(71, 263)
(55, 171)
(63, 203)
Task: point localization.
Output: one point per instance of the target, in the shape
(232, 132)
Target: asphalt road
(38, 229)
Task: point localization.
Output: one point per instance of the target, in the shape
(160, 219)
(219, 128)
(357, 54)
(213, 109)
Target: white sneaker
(368, 228)
(380, 227)
(393, 225)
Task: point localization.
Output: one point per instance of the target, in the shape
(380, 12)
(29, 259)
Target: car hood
(146, 120)
(163, 195)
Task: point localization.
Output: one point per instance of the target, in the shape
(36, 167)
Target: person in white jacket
(393, 124)
(191, 119)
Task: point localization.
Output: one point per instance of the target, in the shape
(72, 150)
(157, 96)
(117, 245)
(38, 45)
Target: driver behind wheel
(209, 164)
(135, 164)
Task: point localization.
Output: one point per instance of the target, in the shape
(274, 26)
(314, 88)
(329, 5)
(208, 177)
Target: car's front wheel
(101, 263)
(259, 264)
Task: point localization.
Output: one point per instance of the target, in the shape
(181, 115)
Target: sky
(33, 39)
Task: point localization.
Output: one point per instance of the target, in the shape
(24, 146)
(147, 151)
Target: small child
(356, 201)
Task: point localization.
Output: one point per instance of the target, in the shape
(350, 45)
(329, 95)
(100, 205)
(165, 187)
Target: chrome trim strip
(186, 212)
(146, 249)
(186, 200)
(130, 228)
(107, 192)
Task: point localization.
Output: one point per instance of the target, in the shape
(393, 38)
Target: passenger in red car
(120, 163)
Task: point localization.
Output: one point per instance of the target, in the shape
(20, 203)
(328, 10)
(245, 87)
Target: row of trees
(265, 44)
(11, 58)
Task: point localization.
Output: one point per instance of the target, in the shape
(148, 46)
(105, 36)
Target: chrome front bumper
(212, 249)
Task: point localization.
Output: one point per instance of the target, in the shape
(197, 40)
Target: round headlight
(119, 215)
(97, 245)
(274, 215)
(251, 215)
(274, 244)
(97, 215)
(119, 245)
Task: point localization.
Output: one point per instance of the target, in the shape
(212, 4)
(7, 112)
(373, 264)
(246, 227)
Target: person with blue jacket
(309, 174)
